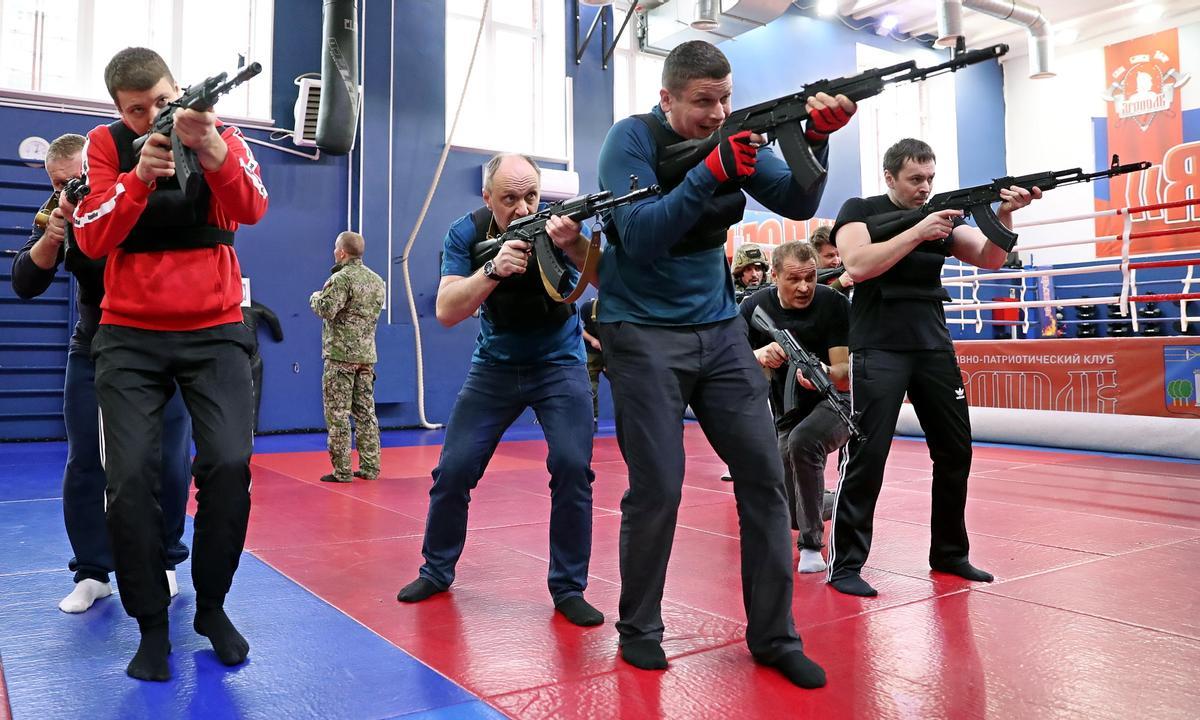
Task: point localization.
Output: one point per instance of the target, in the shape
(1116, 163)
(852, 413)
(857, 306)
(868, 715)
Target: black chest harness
(170, 221)
(721, 211)
(519, 302)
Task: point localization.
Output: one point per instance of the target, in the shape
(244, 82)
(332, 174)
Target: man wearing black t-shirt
(900, 343)
(807, 425)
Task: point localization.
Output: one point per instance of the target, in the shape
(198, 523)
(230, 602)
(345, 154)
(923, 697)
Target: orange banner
(1157, 376)
(1145, 122)
(769, 230)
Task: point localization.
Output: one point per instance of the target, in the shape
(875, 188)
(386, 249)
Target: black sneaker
(364, 476)
(333, 478)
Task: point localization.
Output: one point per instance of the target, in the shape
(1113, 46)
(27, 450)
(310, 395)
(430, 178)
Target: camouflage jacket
(349, 304)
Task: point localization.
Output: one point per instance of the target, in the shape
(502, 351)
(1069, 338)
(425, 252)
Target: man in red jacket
(171, 316)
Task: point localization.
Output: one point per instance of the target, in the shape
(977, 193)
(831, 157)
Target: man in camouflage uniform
(749, 270)
(350, 304)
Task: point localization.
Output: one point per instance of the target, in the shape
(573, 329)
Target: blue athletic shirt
(549, 345)
(639, 279)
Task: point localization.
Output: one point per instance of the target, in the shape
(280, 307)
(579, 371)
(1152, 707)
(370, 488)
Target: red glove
(823, 122)
(733, 157)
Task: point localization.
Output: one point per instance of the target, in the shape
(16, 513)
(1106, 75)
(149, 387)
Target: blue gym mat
(307, 659)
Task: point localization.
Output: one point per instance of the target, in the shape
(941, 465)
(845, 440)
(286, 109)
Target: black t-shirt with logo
(818, 327)
(902, 308)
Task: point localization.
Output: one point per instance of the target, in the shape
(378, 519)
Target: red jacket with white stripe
(174, 289)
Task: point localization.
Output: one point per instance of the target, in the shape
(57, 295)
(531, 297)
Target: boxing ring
(1131, 309)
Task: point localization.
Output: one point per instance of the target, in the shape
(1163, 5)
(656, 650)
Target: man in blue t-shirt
(672, 337)
(529, 354)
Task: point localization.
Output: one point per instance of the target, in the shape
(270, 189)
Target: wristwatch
(489, 271)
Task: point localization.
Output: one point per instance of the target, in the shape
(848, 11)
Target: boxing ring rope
(1079, 430)
(1128, 297)
(1109, 213)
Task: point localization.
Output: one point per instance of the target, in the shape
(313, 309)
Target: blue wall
(817, 48)
(288, 255)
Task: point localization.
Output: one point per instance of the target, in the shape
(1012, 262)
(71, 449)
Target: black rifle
(781, 119)
(532, 229)
(829, 274)
(76, 189)
(800, 358)
(977, 202)
(73, 190)
(201, 98)
(740, 294)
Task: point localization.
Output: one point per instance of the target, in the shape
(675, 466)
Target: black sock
(853, 585)
(418, 590)
(228, 643)
(580, 611)
(644, 654)
(800, 670)
(150, 661)
(965, 570)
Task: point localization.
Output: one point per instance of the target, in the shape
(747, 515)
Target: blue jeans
(84, 480)
(490, 401)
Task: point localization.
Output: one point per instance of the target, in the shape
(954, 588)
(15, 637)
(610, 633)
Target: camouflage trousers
(349, 389)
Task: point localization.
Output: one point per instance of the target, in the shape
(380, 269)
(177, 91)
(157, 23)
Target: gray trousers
(804, 447)
(656, 372)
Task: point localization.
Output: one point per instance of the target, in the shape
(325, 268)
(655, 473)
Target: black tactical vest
(519, 302)
(88, 273)
(917, 276)
(170, 221)
(724, 209)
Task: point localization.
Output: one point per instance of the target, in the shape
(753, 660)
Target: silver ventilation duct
(668, 24)
(1041, 43)
(707, 15)
(949, 23)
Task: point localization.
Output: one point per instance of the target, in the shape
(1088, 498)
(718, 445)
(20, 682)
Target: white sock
(86, 592)
(810, 561)
(174, 584)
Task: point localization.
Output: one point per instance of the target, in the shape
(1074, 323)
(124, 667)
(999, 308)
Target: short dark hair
(64, 146)
(135, 69)
(820, 238)
(907, 149)
(796, 250)
(692, 60)
(351, 243)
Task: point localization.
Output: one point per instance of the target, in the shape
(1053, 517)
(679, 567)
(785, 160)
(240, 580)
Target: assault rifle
(829, 274)
(200, 97)
(800, 358)
(532, 229)
(73, 190)
(782, 118)
(741, 294)
(977, 202)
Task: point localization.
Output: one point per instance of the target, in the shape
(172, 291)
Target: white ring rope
(1127, 299)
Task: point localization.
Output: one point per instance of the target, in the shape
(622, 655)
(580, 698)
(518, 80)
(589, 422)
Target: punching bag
(337, 116)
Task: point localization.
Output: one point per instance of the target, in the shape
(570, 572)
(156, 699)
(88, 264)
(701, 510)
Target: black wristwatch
(489, 271)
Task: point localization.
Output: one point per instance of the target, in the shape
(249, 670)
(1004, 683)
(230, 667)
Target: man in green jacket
(349, 304)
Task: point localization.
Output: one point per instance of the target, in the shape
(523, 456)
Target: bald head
(511, 187)
(351, 243)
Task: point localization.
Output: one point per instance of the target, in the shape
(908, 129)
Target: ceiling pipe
(1041, 42)
(949, 22)
(707, 14)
